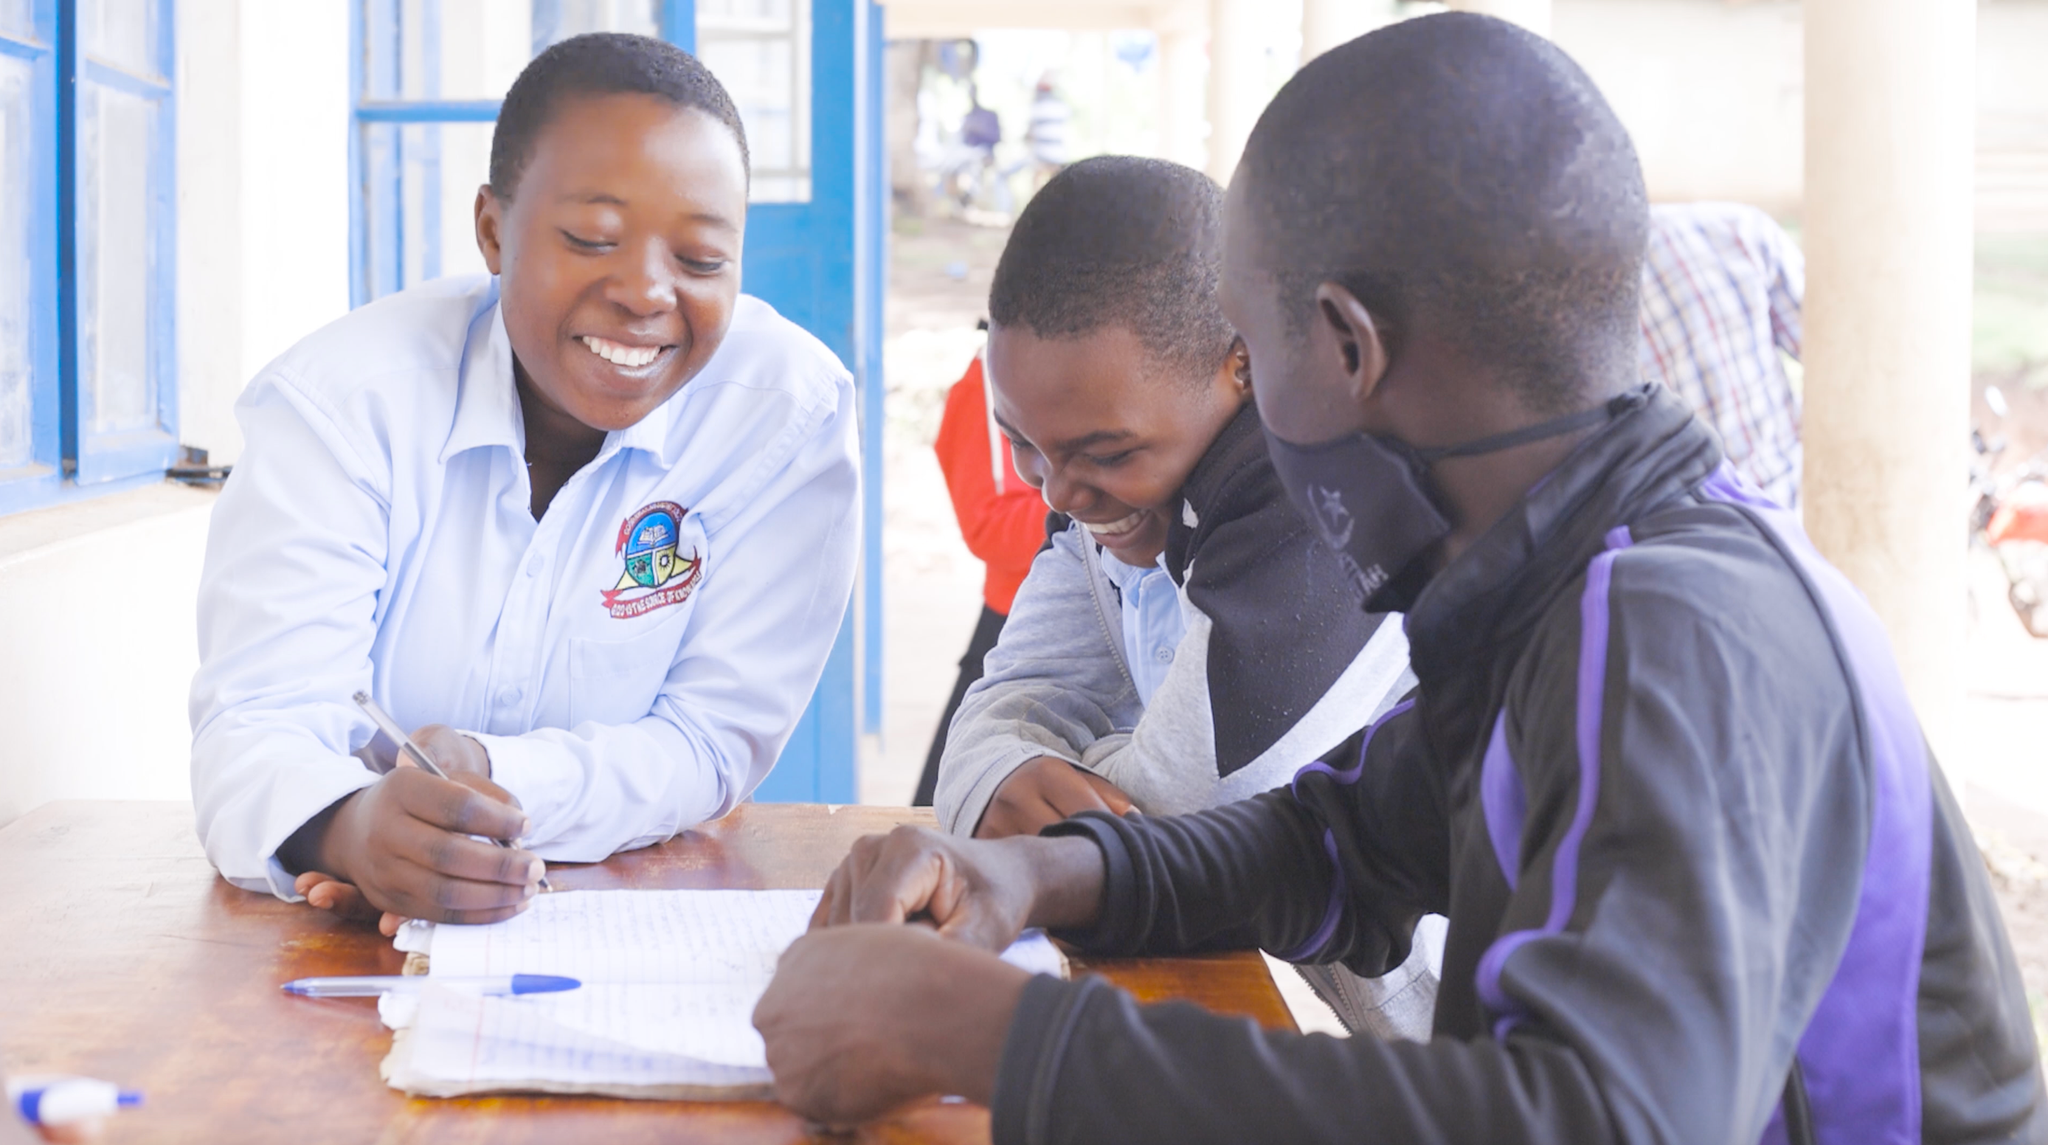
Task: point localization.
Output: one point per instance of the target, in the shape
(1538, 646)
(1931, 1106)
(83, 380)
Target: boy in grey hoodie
(1152, 658)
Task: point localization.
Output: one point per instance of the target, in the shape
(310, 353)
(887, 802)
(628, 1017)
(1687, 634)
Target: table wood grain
(123, 956)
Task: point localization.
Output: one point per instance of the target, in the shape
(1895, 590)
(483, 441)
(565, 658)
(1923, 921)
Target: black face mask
(1370, 500)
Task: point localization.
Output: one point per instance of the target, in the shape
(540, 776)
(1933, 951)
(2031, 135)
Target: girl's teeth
(1124, 525)
(617, 355)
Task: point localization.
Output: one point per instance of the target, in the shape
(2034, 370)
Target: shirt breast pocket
(617, 681)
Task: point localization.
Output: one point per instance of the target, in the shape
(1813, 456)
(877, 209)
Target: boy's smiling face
(618, 254)
(1105, 431)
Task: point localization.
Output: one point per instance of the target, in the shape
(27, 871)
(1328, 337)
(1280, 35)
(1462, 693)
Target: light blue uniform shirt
(1153, 624)
(633, 661)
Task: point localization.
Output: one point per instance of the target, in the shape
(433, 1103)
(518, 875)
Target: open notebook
(670, 979)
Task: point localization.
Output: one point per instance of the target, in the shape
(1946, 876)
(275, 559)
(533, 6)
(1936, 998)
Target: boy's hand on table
(1044, 791)
(861, 1019)
(401, 846)
(980, 892)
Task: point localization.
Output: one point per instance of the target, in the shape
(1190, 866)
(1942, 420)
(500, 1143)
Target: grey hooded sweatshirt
(1247, 699)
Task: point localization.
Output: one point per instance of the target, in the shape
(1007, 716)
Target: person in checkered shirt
(1722, 286)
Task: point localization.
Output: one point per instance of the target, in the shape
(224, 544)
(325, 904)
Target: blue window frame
(88, 247)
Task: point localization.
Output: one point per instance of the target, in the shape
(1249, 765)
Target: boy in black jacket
(1705, 882)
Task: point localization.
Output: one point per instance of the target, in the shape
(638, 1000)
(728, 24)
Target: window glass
(557, 20)
(120, 32)
(17, 20)
(474, 49)
(16, 275)
(444, 49)
(423, 223)
(760, 51)
(115, 264)
(419, 180)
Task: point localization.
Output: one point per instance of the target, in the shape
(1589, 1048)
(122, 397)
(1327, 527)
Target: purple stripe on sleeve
(1331, 913)
(1502, 800)
(1350, 774)
(1564, 871)
(1860, 1053)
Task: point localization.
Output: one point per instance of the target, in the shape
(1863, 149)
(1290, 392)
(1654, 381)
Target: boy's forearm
(959, 1037)
(1068, 879)
(1248, 874)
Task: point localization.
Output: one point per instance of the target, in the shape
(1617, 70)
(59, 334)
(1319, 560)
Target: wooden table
(123, 956)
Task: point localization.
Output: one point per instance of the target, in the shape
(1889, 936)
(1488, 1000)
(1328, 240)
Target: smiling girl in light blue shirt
(589, 525)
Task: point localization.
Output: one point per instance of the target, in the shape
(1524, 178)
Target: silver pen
(390, 728)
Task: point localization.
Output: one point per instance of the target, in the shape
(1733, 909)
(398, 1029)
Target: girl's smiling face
(1105, 431)
(618, 254)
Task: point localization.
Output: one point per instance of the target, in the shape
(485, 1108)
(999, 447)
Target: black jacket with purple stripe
(1661, 775)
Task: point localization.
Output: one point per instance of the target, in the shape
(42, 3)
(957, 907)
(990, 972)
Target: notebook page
(633, 936)
(471, 1041)
(670, 983)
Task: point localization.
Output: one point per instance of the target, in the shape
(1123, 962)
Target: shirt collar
(651, 433)
(487, 401)
(1124, 576)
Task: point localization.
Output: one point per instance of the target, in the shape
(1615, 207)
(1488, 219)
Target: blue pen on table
(374, 985)
(57, 1101)
(390, 727)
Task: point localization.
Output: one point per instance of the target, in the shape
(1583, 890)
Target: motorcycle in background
(2010, 518)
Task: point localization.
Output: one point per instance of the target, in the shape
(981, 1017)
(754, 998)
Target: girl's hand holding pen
(402, 845)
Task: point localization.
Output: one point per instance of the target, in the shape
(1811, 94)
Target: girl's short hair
(601, 63)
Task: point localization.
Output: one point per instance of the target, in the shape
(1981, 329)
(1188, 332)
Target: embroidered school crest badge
(656, 574)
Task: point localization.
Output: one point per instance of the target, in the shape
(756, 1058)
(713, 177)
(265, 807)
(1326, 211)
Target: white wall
(209, 100)
(294, 124)
(2012, 116)
(96, 608)
(1714, 93)
(98, 634)
(263, 120)
(1711, 91)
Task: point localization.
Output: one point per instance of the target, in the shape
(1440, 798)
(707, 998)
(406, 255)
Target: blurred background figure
(1002, 519)
(1047, 135)
(972, 177)
(961, 163)
(1722, 288)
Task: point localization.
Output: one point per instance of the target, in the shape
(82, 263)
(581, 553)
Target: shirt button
(1163, 654)
(509, 695)
(533, 567)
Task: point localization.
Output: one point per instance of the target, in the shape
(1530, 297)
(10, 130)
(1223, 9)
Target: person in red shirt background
(1002, 519)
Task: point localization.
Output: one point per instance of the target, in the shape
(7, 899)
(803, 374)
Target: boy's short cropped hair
(601, 63)
(1121, 241)
(1407, 167)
